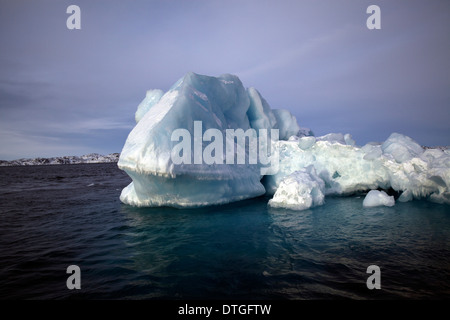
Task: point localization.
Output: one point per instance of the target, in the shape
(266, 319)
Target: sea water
(60, 215)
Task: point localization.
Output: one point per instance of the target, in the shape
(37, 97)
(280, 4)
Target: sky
(74, 92)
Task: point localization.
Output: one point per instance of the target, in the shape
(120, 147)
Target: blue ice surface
(220, 103)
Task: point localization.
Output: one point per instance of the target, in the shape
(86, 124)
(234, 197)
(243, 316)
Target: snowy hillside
(88, 158)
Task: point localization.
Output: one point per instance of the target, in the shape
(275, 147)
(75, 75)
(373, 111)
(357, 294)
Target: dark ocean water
(61, 215)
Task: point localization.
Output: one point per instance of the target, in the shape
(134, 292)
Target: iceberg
(342, 167)
(398, 163)
(377, 198)
(207, 109)
(180, 153)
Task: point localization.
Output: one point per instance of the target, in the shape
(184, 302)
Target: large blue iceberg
(196, 106)
(208, 140)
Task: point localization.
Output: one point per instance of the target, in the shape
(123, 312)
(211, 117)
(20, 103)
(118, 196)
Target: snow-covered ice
(309, 167)
(399, 163)
(300, 190)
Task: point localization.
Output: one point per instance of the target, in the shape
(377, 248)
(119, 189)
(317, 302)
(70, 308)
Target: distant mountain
(88, 158)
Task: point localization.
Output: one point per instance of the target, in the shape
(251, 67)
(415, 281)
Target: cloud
(89, 125)
(15, 145)
(63, 90)
(300, 54)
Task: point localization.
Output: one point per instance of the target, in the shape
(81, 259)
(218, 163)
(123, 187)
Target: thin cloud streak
(300, 53)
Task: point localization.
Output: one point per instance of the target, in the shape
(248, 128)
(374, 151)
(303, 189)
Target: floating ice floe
(307, 167)
(377, 198)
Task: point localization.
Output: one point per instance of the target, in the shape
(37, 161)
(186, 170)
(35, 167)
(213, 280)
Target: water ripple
(55, 216)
